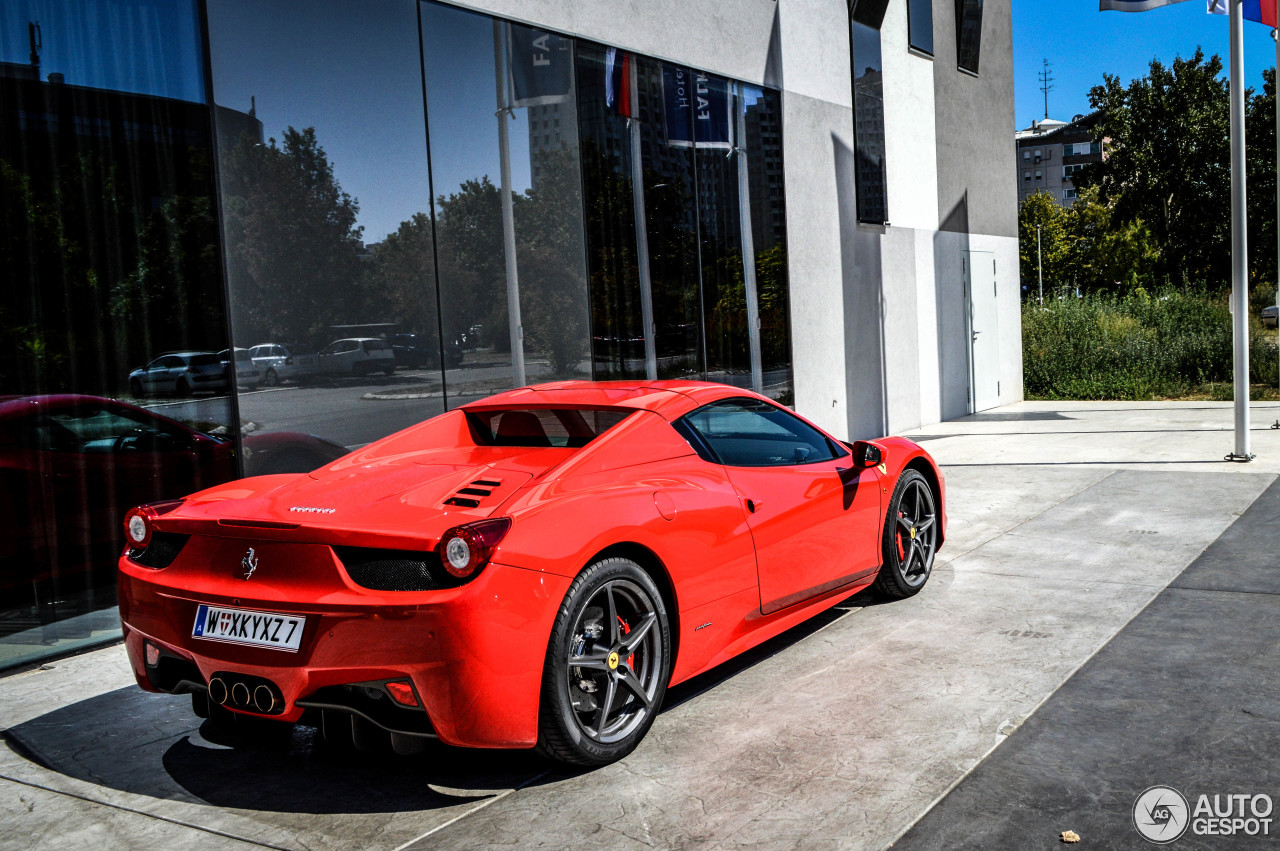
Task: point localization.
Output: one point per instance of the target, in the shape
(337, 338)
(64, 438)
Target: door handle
(753, 505)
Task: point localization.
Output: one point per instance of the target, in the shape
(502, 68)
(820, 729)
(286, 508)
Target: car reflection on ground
(71, 465)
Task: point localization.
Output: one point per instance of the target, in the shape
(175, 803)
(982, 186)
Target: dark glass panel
(720, 240)
(868, 106)
(326, 217)
(109, 247)
(968, 34)
(920, 25)
(616, 327)
(763, 144)
(467, 58)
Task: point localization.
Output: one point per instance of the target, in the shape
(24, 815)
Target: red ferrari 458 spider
(532, 569)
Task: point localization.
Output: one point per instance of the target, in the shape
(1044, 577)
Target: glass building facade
(281, 230)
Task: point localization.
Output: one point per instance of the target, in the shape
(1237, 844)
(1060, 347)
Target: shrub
(1137, 346)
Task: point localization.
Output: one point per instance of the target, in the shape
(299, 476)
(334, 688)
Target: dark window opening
(920, 25)
(868, 108)
(968, 34)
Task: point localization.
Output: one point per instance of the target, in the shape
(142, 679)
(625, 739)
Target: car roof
(671, 399)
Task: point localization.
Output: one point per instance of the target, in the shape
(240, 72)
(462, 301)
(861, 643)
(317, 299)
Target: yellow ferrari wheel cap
(613, 661)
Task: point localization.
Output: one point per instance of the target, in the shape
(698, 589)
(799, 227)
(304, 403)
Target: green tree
(400, 284)
(1105, 252)
(1168, 165)
(1260, 131)
(1053, 246)
(293, 246)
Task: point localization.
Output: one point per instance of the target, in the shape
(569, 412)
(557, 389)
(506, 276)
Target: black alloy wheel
(607, 665)
(910, 537)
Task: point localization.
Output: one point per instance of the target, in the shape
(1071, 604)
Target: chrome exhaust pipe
(263, 700)
(240, 695)
(218, 691)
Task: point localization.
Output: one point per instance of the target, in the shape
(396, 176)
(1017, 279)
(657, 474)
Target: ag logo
(248, 564)
(1161, 815)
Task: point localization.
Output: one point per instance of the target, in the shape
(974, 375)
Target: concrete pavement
(1066, 520)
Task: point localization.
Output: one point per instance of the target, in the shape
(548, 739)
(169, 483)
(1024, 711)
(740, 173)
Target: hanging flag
(618, 81)
(1262, 11)
(1132, 5)
(697, 108)
(541, 66)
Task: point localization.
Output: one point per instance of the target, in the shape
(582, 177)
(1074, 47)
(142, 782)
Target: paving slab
(1187, 695)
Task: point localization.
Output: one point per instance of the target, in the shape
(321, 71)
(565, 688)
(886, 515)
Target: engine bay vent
(471, 495)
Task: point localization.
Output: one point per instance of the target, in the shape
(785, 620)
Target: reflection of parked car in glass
(180, 372)
(1269, 316)
(248, 375)
(412, 351)
(357, 356)
(71, 466)
(282, 362)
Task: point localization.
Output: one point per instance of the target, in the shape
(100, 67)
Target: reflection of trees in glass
(729, 316)
(292, 241)
(550, 263)
(82, 245)
(400, 281)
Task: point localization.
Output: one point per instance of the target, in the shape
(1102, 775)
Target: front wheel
(910, 538)
(607, 665)
(270, 379)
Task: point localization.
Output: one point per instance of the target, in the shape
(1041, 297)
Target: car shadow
(152, 745)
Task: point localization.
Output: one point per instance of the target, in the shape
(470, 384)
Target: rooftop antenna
(37, 43)
(1046, 85)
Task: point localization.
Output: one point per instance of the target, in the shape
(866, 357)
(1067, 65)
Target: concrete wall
(879, 329)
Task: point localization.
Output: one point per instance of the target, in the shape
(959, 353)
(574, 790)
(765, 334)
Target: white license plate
(242, 626)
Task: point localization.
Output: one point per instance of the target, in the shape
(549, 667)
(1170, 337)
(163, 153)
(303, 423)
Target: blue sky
(1082, 43)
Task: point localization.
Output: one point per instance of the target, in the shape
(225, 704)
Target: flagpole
(508, 212)
(1239, 245)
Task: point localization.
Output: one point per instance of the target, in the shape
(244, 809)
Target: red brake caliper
(902, 553)
(631, 660)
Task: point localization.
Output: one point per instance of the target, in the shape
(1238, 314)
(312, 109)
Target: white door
(980, 290)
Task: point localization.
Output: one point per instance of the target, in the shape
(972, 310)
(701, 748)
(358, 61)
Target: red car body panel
(734, 577)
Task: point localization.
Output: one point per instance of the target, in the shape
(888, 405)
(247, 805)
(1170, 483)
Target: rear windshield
(564, 427)
(374, 346)
(206, 360)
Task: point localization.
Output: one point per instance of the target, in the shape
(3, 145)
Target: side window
(752, 433)
(968, 34)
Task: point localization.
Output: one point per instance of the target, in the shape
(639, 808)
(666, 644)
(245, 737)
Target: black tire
(135, 388)
(597, 711)
(185, 387)
(270, 379)
(910, 540)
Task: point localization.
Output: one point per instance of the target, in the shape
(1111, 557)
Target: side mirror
(866, 454)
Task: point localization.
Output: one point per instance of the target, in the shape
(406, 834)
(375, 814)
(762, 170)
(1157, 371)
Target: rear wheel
(910, 538)
(135, 388)
(185, 387)
(270, 379)
(607, 665)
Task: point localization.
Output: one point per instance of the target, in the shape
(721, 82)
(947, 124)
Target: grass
(1171, 344)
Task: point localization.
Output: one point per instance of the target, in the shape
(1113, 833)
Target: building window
(968, 34)
(1039, 174)
(1026, 175)
(1070, 194)
(1026, 154)
(920, 25)
(868, 109)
